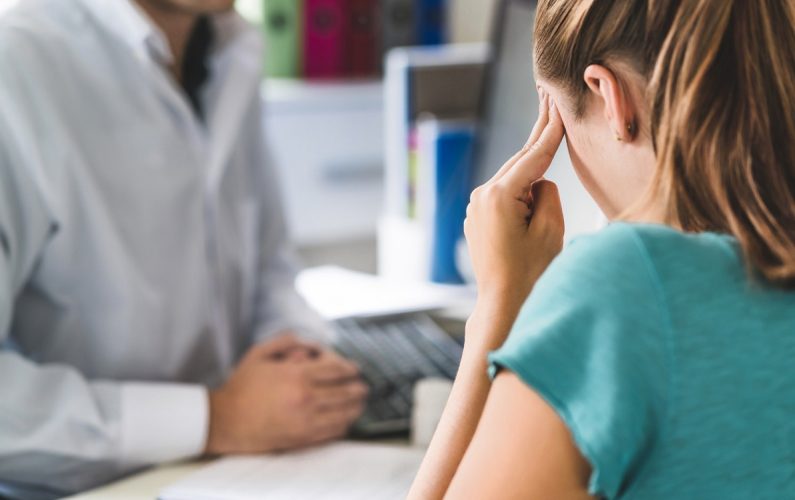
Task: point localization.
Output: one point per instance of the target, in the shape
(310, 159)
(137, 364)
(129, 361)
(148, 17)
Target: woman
(655, 358)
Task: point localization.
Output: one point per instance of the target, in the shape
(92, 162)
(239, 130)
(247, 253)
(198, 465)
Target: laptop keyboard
(393, 353)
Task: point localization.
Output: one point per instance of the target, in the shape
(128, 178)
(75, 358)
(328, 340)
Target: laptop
(393, 353)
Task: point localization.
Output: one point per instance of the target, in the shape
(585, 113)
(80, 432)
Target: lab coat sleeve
(59, 431)
(279, 307)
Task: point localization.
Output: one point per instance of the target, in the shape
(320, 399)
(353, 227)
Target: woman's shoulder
(614, 257)
(629, 256)
(593, 340)
(599, 283)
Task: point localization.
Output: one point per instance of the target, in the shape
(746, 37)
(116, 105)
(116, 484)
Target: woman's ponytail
(722, 100)
(723, 123)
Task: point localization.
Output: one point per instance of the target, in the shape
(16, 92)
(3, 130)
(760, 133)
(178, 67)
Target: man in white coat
(145, 282)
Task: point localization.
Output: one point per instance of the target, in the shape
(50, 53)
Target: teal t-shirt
(672, 366)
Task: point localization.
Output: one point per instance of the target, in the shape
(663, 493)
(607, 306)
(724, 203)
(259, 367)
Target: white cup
(430, 397)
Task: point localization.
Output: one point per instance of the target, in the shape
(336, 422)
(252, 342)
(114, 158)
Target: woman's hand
(514, 224)
(510, 246)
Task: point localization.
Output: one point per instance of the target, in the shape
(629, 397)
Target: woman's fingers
(535, 162)
(547, 208)
(547, 226)
(538, 128)
(543, 118)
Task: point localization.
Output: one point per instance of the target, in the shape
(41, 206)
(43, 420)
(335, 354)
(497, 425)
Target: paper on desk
(339, 471)
(337, 293)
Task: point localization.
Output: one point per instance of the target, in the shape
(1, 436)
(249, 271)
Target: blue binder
(431, 18)
(448, 187)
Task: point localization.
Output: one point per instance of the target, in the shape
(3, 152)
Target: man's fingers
(328, 397)
(330, 368)
(298, 354)
(328, 433)
(276, 346)
(538, 128)
(334, 424)
(342, 416)
(536, 161)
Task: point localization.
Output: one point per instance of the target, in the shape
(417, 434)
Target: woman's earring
(630, 131)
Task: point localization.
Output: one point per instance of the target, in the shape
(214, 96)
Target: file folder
(282, 32)
(445, 183)
(325, 25)
(431, 18)
(364, 47)
(399, 24)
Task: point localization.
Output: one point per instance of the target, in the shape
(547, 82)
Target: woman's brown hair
(721, 100)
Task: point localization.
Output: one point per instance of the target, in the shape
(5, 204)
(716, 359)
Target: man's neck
(177, 25)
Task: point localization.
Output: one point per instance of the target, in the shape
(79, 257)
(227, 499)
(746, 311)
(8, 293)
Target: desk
(148, 484)
(142, 486)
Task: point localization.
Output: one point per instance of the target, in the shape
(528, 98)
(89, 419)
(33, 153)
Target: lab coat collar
(234, 64)
(229, 28)
(130, 23)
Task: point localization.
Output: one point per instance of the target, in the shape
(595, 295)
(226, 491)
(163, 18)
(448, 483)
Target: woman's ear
(614, 101)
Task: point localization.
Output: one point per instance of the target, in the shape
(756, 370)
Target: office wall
(5, 4)
(471, 20)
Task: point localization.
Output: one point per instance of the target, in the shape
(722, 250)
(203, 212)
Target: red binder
(363, 41)
(325, 27)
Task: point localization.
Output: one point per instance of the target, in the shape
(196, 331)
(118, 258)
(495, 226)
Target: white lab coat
(141, 250)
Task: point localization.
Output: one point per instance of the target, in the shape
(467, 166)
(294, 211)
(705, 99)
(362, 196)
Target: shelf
(317, 96)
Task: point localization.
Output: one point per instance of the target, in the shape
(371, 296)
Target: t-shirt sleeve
(593, 341)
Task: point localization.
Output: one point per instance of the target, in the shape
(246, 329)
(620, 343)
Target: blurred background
(382, 115)
(325, 118)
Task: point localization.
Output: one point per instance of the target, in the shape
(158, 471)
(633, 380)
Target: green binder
(282, 22)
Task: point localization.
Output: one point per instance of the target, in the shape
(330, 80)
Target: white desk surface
(142, 486)
(148, 484)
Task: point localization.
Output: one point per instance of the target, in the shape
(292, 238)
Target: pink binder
(325, 27)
